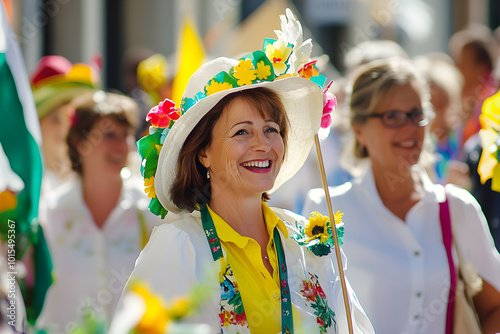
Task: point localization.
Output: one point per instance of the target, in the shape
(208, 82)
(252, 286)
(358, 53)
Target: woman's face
(105, 150)
(393, 148)
(245, 153)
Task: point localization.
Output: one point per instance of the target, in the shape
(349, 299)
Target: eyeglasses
(398, 119)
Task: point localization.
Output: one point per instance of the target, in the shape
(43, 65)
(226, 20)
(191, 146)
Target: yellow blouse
(260, 292)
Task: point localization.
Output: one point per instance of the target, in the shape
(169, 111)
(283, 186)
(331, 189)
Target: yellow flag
(190, 55)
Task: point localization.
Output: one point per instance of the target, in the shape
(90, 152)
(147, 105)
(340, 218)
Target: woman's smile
(258, 166)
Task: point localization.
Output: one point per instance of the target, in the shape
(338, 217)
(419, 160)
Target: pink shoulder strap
(445, 219)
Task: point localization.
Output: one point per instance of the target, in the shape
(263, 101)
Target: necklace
(265, 257)
(216, 248)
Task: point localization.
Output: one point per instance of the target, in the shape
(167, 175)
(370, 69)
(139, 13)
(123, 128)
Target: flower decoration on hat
(489, 166)
(286, 56)
(317, 235)
(162, 117)
(329, 104)
(56, 81)
(278, 52)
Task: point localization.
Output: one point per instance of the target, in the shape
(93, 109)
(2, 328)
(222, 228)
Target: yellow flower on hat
(278, 53)
(244, 72)
(214, 87)
(263, 71)
(149, 183)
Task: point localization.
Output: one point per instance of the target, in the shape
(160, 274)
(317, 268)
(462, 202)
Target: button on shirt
(399, 269)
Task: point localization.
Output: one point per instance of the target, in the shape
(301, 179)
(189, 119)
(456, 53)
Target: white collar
(366, 184)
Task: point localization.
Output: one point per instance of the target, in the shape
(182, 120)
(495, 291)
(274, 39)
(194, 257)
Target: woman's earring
(208, 174)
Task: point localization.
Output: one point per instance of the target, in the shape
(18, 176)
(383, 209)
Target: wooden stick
(334, 231)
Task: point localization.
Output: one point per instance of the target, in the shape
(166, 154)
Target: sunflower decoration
(489, 166)
(317, 235)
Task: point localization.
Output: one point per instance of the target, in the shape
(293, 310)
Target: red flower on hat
(161, 115)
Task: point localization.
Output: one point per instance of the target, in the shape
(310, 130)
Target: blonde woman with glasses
(400, 239)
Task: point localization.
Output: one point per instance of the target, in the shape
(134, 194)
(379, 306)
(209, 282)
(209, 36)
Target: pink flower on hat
(329, 103)
(161, 115)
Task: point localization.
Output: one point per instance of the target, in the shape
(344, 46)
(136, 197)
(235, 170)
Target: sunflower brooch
(317, 235)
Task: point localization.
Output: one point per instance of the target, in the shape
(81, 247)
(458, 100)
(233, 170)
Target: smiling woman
(97, 225)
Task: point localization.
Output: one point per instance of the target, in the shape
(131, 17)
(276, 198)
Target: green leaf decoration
(147, 144)
(156, 208)
(320, 249)
(221, 78)
(319, 80)
(150, 165)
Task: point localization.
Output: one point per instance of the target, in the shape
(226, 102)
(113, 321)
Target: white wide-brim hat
(303, 102)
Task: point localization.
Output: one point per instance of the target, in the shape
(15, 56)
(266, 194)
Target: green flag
(20, 138)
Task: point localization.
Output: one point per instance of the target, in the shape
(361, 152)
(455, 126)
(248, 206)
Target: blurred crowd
(93, 208)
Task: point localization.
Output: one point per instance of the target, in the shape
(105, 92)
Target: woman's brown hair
(191, 186)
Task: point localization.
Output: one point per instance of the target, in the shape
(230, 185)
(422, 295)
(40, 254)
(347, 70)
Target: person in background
(97, 225)
(445, 85)
(474, 52)
(55, 83)
(398, 264)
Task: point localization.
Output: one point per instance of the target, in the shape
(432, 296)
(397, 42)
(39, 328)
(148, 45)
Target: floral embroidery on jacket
(232, 314)
(312, 290)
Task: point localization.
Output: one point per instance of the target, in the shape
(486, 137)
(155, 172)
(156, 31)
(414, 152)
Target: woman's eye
(393, 115)
(240, 132)
(272, 130)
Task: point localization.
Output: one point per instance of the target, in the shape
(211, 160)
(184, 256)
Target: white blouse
(91, 264)
(399, 269)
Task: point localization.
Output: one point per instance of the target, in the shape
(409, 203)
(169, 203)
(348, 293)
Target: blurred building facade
(79, 29)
